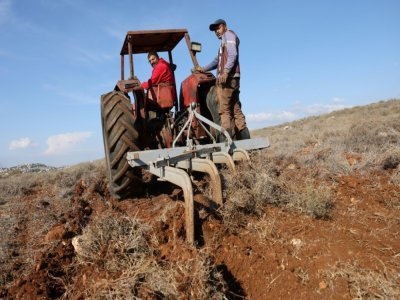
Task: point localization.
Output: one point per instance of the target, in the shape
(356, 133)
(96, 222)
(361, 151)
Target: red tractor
(164, 132)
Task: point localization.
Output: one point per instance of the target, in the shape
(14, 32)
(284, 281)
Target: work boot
(244, 134)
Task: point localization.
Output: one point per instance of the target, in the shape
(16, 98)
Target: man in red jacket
(161, 73)
(161, 85)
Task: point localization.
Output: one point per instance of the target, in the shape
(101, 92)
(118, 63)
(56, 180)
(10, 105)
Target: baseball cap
(216, 23)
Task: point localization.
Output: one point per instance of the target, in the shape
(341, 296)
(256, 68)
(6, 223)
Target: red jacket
(161, 73)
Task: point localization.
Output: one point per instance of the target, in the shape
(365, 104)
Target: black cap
(216, 23)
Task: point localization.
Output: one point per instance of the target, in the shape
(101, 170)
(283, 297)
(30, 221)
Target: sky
(298, 58)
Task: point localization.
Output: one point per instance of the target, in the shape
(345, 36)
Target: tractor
(163, 132)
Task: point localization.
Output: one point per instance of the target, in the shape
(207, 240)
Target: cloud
(337, 100)
(74, 97)
(66, 142)
(21, 143)
(116, 33)
(297, 111)
(88, 56)
(319, 109)
(261, 117)
(5, 10)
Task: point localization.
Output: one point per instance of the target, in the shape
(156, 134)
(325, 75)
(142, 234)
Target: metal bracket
(193, 113)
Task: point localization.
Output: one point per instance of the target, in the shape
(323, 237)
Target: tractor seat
(161, 95)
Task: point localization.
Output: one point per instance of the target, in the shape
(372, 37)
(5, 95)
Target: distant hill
(26, 168)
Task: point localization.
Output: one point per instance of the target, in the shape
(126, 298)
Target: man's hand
(198, 69)
(222, 78)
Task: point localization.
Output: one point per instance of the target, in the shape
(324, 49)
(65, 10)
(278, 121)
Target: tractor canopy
(152, 40)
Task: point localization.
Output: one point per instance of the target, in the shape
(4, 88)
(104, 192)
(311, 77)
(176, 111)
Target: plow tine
(181, 179)
(206, 166)
(241, 155)
(224, 158)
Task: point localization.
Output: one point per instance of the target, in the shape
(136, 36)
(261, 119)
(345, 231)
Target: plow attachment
(175, 165)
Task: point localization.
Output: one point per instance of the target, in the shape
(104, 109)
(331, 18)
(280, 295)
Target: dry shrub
(63, 180)
(395, 177)
(391, 158)
(120, 247)
(91, 173)
(365, 283)
(7, 224)
(19, 185)
(302, 275)
(249, 190)
(387, 158)
(371, 136)
(265, 228)
(337, 165)
(315, 200)
(122, 237)
(370, 160)
(259, 184)
(391, 162)
(87, 171)
(198, 278)
(125, 258)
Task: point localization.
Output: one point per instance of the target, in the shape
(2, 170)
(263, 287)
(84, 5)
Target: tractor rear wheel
(120, 137)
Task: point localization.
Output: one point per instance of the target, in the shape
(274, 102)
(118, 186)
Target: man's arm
(231, 47)
(212, 65)
(156, 74)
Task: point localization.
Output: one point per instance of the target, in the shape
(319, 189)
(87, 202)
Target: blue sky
(298, 58)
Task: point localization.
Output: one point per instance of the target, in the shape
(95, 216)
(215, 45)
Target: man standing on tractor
(228, 79)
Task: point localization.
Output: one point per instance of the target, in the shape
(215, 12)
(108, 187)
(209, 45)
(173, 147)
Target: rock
(55, 233)
(322, 285)
(76, 240)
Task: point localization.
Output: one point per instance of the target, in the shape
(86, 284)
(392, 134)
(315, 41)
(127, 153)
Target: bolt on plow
(166, 136)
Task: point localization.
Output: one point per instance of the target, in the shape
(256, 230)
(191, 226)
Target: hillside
(315, 216)
(27, 168)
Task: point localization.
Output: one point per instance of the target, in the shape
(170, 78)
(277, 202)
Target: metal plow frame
(175, 164)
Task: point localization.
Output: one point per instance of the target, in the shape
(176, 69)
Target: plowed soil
(280, 255)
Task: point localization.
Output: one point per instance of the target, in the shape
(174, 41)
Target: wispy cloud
(5, 10)
(89, 56)
(297, 111)
(66, 142)
(337, 100)
(318, 109)
(22, 24)
(303, 110)
(7, 54)
(116, 32)
(74, 97)
(262, 117)
(21, 143)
